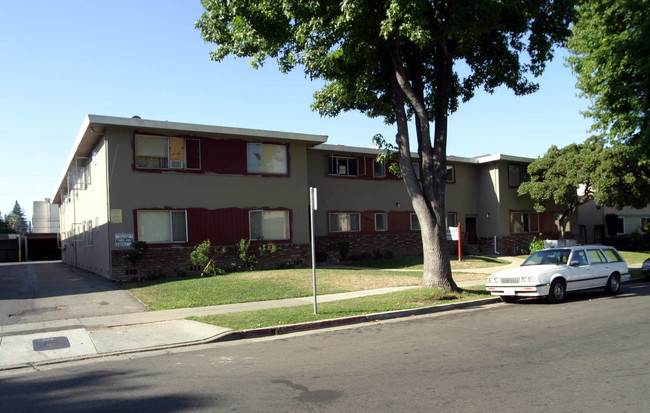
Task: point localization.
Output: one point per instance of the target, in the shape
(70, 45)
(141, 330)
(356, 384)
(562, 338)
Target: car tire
(508, 299)
(613, 285)
(557, 292)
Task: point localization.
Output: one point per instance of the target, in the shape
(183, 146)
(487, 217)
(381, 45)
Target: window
(345, 222)
(612, 256)
(451, 174)
(381, 221)
(88, 231)
(522, 222)
(415, 224)
(580, 256)
(162, 226)
(268, 225)
(416, 169)
(267, 158)
(343, 166)
(556, 223)
(378, 169)
(450, 220)
(596, 257)
(516, 175)
(162, 152)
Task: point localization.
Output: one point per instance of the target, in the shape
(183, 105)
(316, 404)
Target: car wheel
(556, 292)
(508, 299)
(613, 284)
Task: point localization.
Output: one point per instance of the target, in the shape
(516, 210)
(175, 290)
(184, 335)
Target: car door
(599, 267)
(579, 274)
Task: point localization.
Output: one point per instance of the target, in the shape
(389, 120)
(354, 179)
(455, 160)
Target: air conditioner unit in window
(174, 164)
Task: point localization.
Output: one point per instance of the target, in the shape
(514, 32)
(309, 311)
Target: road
(589, 354)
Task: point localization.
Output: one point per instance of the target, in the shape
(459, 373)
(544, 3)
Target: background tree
(396, 59)
(4, 228)
(610, 54)
(16, 220)
(608, 175)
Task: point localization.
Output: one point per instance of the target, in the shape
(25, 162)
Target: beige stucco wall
(89, 205)
(131, 190)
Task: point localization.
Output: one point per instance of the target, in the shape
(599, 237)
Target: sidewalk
(29, 345)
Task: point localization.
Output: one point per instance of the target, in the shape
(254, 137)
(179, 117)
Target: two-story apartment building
(175, 185)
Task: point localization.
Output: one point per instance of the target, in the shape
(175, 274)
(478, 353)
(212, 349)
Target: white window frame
(453, 174)
(454, 220)
(415, 223)
(256, 151)
(263, 212)
(334, 169)
(385, 215)
(173, 238)
(378, 169)
(350, 216)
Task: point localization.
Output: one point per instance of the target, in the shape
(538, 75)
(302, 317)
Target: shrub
(139, 250)
(536, 244)
(251, 260)
(204, 256)
(344, 249)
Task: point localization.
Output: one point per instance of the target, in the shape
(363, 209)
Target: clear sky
(63, 59)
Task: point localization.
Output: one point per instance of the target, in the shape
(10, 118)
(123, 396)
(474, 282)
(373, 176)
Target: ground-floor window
(345, 222)
(269, 225)
(523, 222)
(381, 221)
(162, 226)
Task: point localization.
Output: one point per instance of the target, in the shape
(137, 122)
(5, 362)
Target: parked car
(645, 269)
(553, 272)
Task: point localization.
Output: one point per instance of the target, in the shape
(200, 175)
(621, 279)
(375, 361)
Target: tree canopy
(610, 54)
(396, 59)
(579, 173)
(16, 220)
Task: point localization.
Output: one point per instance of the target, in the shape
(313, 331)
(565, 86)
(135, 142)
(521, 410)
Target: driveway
(45, 291)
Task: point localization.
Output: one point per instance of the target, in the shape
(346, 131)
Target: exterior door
(470, 228)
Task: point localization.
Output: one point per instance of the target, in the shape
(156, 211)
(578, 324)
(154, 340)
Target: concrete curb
(339, 322)
(263, 332)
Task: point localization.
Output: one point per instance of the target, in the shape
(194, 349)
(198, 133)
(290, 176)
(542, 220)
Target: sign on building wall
(123, 239)
(116, 216)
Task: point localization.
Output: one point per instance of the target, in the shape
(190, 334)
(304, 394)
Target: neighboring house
(175, 185)
(592, 221)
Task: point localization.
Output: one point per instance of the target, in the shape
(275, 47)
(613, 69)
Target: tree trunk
(427, 197)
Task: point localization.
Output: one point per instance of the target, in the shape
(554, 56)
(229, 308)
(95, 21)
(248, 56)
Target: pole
(313, 205)
(460, 257)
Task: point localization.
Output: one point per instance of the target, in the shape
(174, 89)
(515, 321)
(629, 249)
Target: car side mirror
(574, 263)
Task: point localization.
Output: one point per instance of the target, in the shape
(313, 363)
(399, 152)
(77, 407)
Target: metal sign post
(313, 205)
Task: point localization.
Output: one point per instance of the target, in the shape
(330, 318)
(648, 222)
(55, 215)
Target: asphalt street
(589, 354)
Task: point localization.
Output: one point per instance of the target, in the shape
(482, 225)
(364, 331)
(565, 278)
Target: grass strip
(416, 263)
(400, 300)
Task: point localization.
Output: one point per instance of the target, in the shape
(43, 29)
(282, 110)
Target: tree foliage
(396, 59)
(610, 50)
(579, 173)
(16, 220)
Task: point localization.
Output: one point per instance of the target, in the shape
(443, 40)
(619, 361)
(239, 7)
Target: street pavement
(27, 343)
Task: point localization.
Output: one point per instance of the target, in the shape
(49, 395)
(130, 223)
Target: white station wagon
(553, 272)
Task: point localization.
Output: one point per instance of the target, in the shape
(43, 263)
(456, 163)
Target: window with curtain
(166, 226)
(269, 225)
(267, 158)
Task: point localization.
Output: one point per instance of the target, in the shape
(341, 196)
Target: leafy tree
(16, 220)
(397, 59)
(610, 54)
(4, 227)
(607, 175)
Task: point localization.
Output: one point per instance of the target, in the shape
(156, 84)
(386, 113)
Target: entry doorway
(470, 228)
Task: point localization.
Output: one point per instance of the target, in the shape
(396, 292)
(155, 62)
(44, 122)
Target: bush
(344, 249)
(139, 250)
(204, 256)
(536, 244)
(251, 260)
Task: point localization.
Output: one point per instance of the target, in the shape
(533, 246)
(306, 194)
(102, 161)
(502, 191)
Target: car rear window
(596, 257)
(612, 256)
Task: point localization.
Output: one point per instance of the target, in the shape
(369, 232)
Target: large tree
(610, 54)
(579, 173)
(398, 59)
(16, 220)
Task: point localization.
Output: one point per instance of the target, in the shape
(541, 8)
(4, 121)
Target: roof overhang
(94, 126)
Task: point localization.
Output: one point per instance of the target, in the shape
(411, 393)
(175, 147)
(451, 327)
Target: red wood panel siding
(221, 226)
(193, 153)
(399, 221)
(227, 156)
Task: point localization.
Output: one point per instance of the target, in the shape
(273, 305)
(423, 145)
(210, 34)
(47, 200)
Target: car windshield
(545, 257)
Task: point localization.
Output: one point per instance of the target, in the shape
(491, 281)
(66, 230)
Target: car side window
(612, 256)
(596, 257)
(580, 256)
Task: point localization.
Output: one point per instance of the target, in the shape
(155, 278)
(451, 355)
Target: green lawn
(411, 298)
(635, 257)
(415, 263)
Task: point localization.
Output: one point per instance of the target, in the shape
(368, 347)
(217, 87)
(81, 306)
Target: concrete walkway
(30, 345)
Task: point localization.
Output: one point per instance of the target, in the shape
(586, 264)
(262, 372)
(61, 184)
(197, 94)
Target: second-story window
(378, 169)
(267, 158)
(343, 166)
(166, 152)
